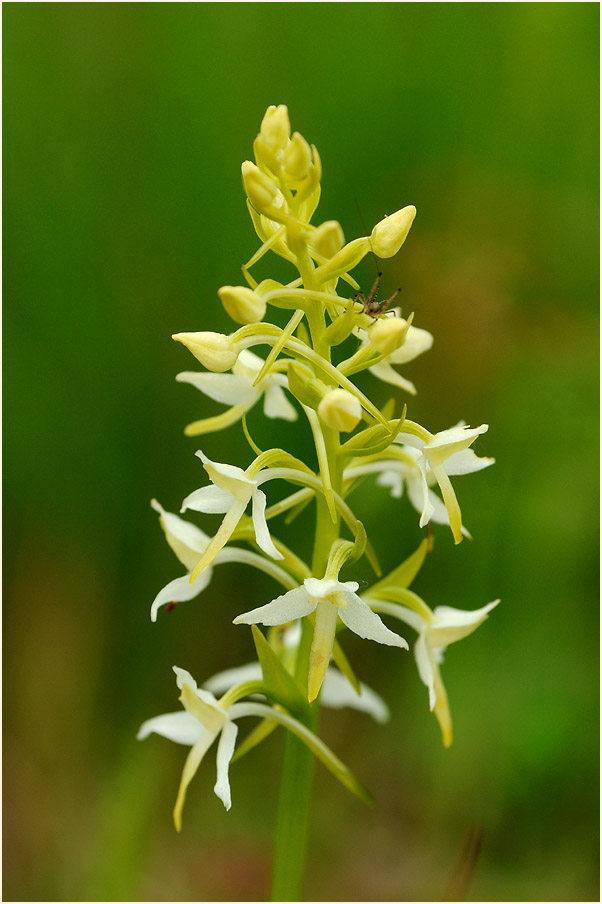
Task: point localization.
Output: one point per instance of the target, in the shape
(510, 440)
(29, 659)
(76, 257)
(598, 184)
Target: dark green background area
(125, 126)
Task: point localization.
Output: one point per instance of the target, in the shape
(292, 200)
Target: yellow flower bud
(259, 188)
(275, 128)
(328, 238)
(389, 235)
(388, 335)
(242, 304)
(340, 410)
(215, 351)
(297, 159)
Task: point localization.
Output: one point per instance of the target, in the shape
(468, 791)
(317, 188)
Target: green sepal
(341, 327)
(402, 576)
(255, 737)
(280, 686)
(304, 386)
(344, 665)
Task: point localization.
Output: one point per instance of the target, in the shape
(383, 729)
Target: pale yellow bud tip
(389, 235)
(242, 304)
(261, 191)
(340, 410)
(275, 128)
(215, 351)
(389, 334)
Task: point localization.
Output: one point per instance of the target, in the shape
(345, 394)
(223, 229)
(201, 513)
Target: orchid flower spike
(238, 390)
(330, 600)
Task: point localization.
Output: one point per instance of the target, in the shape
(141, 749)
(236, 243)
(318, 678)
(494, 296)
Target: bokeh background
(125, 126)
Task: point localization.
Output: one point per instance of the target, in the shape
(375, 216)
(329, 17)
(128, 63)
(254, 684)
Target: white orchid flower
(436, 630)
(205, 717)
(411, 468)
(417, 341)
(189, 543)
(421, 464)
(238, 390)
(337, 692)
(230, 493)
(329, 599)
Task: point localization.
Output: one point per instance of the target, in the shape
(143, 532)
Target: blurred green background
(125, 126)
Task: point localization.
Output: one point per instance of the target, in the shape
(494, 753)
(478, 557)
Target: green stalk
(294, 802)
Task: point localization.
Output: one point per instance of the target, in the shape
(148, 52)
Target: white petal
(451, 624)
(248, 364)
(180, 727)
(427, 505)
(383, 371)
(179, 590)
(425, 669)
(337, 693)
(360, 619)
(394, 480)
(260, 524)
(288, 607)
(276, 404)
(186, 540)
(416, 342)
(449, 442)
(229, 389)
(321, 589)
(183, 677)
(225, 750)
(466, 462)
(228, 477)
(211, 500)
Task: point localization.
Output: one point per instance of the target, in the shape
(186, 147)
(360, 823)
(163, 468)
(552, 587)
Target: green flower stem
(292, 822)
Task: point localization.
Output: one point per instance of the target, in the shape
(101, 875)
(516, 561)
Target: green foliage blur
(125, 126)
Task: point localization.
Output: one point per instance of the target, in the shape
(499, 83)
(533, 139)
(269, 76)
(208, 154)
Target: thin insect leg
(374, 289)
(390, 300)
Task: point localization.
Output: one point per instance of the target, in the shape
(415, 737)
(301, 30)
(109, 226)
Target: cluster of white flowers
(299, 377)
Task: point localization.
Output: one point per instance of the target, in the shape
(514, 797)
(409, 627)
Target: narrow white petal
(193, 761)
(427, 505)
(404, 613)
(260, 524)
(179, 590)
(276, 404)
(288, 607)
(451, 624)
(183, 677)
(425, 668)
(180, 727)
(337, 693)
(211, 500)
(230, 389)
(360, 619)
(225, 750)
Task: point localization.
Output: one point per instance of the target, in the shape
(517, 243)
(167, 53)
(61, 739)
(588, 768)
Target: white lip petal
(286, 608)
(211, 500)
(276, 404)
(360, 619)
(229, 389)
(180, 727)
(338, 693)
(262, 534)
(179, 591)
(225, 750)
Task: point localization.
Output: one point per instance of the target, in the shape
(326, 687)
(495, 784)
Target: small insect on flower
(371, 306)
